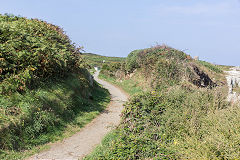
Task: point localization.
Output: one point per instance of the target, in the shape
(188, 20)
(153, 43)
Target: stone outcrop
(233, 80)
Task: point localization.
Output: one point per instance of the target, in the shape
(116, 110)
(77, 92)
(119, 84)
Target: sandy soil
(83, 142)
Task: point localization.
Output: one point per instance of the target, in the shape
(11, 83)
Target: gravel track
(83, 142)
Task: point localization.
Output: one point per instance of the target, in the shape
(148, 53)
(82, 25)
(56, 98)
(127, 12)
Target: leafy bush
(35, 117)
(32, 50)
(163, 66)
(44, 86)
(131, 61)
(166, 124)
(110, 69)
(178, 118)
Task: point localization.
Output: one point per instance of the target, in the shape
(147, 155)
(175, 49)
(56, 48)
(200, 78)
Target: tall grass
(54, 111)
(212, 67)
(174, 124)
(176, 119)
(129, 86)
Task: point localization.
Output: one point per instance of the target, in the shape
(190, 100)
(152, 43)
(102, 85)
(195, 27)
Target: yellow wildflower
(32, 69)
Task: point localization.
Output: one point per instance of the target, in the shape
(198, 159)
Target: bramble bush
(32, 50)
(175, 123)
(184, 115)
(44, 86)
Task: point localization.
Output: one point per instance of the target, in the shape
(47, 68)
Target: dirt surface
(83, 142)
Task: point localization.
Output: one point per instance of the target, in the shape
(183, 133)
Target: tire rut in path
(83, 142)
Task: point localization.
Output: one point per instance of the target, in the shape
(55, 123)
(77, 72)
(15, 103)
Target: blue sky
(209, 29)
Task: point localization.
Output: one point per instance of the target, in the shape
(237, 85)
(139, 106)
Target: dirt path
(233, 80)
(83, 142)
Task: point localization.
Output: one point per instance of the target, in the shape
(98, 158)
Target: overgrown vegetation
(94, 60)
(162, 65)
(45, 87)
(129, 86)
(32, 50)
(54, 111)
(178, 118)
(212, 67)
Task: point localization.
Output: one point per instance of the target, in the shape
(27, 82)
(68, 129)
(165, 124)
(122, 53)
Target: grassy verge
(129, 86)
(182, 113)
(174, 124)
(104, 147)
(54, 111)
(211, 67)
(177, 123)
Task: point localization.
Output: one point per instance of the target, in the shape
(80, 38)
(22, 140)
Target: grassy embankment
(181, 115)
(46, 92)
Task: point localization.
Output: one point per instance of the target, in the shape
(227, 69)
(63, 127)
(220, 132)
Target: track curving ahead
(83, 142)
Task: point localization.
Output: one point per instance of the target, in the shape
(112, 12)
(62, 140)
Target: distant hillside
(98, 60)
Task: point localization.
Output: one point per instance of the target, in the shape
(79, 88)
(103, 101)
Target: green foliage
(177, 119)
(150, 56)
(104, 147)
(131, 61)
(94, 60)
(129, 86)
(212, 67)
(110, 69)
(159, 65)
(45, 90)
(32, 50)
(175, 123)
(43, 115)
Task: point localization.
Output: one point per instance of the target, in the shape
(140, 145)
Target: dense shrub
(32, 50)
(131, 61)
(44, 86)
(111, 69)
(163, 125)
(150, 56)
(163, 66)
(179, 118)
(37, 116)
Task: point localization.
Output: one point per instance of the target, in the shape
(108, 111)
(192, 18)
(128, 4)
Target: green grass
(225, 67)
(46, 92)
(104, 147)
(174, 124)
(54, 111)
(129, 86)
(211, 67)
(97, 60)
(176, 119)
